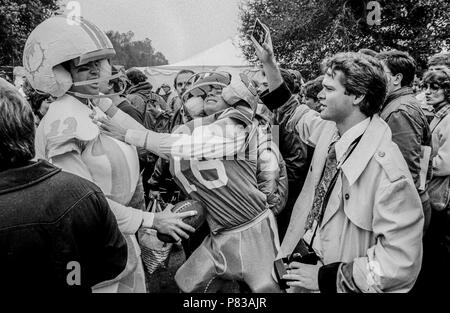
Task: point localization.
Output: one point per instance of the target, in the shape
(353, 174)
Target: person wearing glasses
(437, 93)
(437, 61)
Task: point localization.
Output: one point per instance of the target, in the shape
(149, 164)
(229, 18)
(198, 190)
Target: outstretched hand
(169, 223)
(265, 52)
(110, 128)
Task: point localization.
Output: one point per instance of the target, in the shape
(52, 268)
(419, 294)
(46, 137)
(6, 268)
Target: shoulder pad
(67, 118)
(387, 157)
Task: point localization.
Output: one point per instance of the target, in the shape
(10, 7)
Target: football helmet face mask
(202, 83)
(56, 41)
(232, 89)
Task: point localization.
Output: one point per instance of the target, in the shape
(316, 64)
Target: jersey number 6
(196, 167)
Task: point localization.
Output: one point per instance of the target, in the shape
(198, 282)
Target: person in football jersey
(271, 169)
(214, 159)
(67, 65)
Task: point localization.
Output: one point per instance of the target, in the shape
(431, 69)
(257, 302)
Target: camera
(303, 253)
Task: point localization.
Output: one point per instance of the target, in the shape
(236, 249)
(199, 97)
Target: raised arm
(279, 94)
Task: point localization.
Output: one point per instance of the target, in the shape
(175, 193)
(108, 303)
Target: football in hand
(195, 221)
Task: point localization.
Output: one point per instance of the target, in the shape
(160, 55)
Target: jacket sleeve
(295, 152)
(441, 160)
(308, 124)
(159, 173)
(271, 174)
(407, 135)
(393, 263)
(128, 218)
(133, 112)
(209, 142)
(105, 248)
(276, 98)
(137, 102)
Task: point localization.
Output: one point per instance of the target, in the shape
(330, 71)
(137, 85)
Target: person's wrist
(148, 219)
(127, 137)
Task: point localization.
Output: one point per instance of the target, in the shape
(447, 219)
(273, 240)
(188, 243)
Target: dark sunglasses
(433, 87)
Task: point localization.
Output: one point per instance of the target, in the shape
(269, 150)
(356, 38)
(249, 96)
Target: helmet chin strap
(97, 80)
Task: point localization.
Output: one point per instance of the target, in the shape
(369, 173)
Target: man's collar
(21, 177)
(376, 132)
(343, 144)
(442, 111)
(403, 91)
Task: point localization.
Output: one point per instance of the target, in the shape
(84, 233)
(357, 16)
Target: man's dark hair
(313, 87)
(288, 79)
(399, 62)
(135, 76)
(297, 76)
(363, 75)
(439, 59)
(440, 78)
(16, 128)
(181, 73)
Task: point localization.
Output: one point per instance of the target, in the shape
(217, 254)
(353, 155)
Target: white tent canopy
(225, 56)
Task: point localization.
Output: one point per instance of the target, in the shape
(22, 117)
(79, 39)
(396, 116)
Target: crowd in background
(394, 181)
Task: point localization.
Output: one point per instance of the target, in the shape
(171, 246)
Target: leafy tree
(17, 19)
(131, 53)
(304, 32)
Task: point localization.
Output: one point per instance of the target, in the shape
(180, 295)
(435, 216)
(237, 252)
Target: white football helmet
(241, 88)
(57, 40)
(234, 88)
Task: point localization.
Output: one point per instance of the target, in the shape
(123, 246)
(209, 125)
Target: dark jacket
(296, 154)
(142, 93)
(293, 150)
(147, 159)
(411, 132)
(48, 219)
(161, 178)
(126, 106)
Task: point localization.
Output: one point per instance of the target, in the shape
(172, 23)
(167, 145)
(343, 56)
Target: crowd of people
(344, 179)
